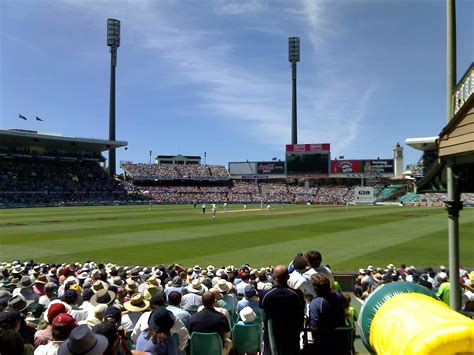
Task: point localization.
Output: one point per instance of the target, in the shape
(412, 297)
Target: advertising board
(363, 194)
(346, 166)
(271, 167)
(379, 166)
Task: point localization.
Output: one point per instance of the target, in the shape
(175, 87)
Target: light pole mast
(293, 57)
(113, 41)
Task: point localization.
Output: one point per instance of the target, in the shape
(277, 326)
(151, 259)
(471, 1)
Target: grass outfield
(130, 235)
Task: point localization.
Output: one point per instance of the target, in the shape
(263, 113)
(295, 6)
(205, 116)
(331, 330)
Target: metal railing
(464, 89)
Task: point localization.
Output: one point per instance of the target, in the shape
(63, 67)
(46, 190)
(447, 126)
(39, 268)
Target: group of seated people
(174, 171)
(110, 309)
(435, 280)
(436, 198)
(27, 181)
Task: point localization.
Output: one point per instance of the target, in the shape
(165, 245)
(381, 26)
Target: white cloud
(201, 54)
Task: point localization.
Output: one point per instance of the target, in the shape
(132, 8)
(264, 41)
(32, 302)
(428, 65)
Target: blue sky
(213, 76)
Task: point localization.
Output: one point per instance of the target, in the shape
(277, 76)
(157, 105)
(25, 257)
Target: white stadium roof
(424, 143)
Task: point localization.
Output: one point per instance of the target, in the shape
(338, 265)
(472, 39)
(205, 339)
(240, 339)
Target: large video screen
(308, 159)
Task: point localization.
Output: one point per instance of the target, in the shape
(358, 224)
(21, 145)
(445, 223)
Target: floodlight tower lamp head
(294, 49)
(113, 33)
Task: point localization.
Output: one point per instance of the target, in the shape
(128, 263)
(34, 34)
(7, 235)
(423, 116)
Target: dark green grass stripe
(427, 250)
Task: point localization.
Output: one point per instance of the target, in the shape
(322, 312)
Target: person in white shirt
(213, 212)
(297, 280)
(314, 260)
(204, 207)
(225, 206)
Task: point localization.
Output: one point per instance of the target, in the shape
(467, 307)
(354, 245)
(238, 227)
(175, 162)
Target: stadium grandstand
(38, 169)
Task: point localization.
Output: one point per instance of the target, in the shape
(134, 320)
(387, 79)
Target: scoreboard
(308, 160)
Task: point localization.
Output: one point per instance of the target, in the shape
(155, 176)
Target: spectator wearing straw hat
(135, 307)
(229, 300)
(39, 285)
(193, 299)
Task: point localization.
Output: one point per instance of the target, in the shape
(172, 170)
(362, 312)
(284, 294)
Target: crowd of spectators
(174, 171)
(438, 199)
(55, 308)
(26, 181)
(371, 277)
(248, 192)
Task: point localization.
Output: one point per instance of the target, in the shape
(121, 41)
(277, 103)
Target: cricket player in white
(245, 207)
(225, 206)
(213, 211)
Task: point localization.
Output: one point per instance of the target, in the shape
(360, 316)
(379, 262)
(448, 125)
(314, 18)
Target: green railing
(464, 89)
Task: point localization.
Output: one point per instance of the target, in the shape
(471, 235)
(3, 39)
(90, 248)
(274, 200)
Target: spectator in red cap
(62, 325)
(44, 336)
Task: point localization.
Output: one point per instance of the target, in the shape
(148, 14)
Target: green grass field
(135, 235)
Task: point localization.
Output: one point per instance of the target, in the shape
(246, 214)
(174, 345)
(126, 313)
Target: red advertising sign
(320, 147)
(345, 166)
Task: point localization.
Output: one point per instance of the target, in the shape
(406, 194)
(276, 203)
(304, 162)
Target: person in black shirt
(326, 312)
(208, 320)
(285, 307)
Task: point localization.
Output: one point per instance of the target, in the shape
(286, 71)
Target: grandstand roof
(15, 138)
(424, 143)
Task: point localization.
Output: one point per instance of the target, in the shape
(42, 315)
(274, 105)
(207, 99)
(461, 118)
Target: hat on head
(98, 285)
(55, 309)
(83, 341)
(9, 318)
(247, 314)
(196, 268)
(443, 268)
(102, 296)
(222, 285)
(116, 281)
(113, 313)
(25, 282)
(83, 275)
(137, 303)
(42, 279)
(17, 269)
(249, 291)
(161, 320)
(153, 280)
(76, 288)
(131, 285)
(65, 321)
(13, 282)
(195, 287)
(177, 282)
(19, 302)
(210, 268)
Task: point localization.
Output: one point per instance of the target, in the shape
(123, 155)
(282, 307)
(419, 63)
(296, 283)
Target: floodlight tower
(113, 41)
(293, 57)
